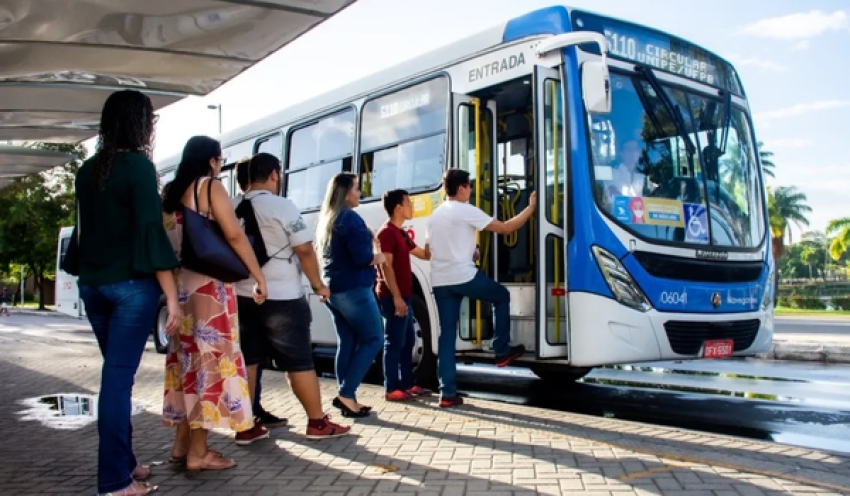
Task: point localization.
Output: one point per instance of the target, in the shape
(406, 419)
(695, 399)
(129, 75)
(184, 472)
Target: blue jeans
(399, 337)
(359, 333)
(121, 316)
(449, 299)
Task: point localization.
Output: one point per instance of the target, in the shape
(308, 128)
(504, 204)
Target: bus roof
(542, 22)
(62, 58)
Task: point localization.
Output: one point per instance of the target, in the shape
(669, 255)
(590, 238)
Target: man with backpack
(280, 327)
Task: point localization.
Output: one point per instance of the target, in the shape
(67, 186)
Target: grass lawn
(811, 313)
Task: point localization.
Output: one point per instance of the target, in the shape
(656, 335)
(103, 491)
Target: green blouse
(121, 231)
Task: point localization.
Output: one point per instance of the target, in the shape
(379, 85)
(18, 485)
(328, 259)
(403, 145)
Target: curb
(42, 313)
(808, 352)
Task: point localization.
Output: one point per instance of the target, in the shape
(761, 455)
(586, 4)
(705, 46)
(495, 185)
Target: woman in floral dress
(205, 380)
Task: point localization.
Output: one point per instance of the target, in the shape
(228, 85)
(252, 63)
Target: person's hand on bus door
(175, 314)
(532, 200)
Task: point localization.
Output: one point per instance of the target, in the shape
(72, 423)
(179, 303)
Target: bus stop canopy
(17, 161)
(60, 59)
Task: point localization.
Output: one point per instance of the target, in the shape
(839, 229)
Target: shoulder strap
(209, 197)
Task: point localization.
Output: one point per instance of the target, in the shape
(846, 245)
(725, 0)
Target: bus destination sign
(659, 51)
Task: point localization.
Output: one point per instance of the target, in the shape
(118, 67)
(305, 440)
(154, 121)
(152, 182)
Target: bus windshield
(679, 167)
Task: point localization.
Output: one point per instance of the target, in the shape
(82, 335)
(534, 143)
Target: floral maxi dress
(205, 379)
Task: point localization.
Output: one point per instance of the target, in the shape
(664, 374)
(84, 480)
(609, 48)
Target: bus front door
(475, 151)
(550, 244)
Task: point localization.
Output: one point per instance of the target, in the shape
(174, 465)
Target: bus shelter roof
(60, 59)
(18, 161)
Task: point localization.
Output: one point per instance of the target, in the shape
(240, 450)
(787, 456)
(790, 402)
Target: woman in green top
(125, 264)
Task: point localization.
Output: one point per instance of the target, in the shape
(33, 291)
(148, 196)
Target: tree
(766, 159)
(34, 209)
(786, 205)
(841, 243)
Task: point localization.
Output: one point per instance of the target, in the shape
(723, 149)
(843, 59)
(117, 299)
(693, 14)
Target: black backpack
(245, 212)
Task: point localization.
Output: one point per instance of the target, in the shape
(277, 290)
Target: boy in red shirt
(395, 290)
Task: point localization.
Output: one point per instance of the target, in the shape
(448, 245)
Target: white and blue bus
(651, 237)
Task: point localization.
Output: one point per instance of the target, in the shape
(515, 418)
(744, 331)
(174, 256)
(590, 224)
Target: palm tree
(765, 157)
(841, 241)
(786, 204)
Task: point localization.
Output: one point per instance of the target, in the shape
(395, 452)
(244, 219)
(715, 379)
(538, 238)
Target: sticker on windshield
(696, 223)
(650, 211)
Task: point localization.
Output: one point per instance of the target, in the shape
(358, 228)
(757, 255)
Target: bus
(650, 241)
(68, 299)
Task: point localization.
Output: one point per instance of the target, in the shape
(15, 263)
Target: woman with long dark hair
(349, 252)
(205, 380)
(125, 264)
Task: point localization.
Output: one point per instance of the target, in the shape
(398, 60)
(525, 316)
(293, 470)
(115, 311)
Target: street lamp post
(217, 107)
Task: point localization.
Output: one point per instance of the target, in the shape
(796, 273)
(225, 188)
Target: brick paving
(482, 448)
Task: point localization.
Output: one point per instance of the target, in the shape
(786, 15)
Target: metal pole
(22, 287)
(219, 119)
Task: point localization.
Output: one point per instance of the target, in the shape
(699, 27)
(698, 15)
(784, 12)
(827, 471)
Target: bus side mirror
(596, 87)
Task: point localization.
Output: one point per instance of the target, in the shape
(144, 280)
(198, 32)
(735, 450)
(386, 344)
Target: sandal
(142, 472)
(213, 460)
(175, 460)
(134, 489)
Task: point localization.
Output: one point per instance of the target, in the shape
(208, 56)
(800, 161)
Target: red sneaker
(448, 402)
(398, 395)
(254, 434)
(419, 391)
(327, 430)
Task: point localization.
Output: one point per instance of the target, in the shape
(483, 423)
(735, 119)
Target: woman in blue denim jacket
(348, 251)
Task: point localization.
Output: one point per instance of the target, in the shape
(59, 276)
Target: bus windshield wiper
(727, 120)
(671, 108)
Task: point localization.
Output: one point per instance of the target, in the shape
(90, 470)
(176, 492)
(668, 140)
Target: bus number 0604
(674, 298)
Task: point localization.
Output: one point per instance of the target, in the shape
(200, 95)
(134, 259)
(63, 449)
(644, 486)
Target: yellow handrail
(476, 104)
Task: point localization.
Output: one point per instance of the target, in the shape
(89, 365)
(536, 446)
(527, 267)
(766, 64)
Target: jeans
(359, 333)
(449, 299)
(258, 391)
(399, 337)
(121, 316)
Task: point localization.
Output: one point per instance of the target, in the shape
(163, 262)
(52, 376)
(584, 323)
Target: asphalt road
(794, 403)
(836, 331)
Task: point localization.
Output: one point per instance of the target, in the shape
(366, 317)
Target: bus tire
(424, 359)
(560, 374)
(160, 340)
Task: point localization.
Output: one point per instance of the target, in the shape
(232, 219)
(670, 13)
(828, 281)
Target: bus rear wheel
(560, 374)
(424, 359)
(160, 338)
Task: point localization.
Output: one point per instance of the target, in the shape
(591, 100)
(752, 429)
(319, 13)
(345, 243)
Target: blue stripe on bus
(551, 20)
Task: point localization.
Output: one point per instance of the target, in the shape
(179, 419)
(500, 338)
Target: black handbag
(205, 249)
(70, 263)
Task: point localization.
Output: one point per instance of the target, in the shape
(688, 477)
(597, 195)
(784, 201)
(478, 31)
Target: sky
(792, 57)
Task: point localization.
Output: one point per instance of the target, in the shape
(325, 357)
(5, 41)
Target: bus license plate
(718, 349)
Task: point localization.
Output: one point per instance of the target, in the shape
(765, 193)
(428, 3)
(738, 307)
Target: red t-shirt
(395, 241)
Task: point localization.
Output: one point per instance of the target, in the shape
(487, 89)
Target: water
(67, 411)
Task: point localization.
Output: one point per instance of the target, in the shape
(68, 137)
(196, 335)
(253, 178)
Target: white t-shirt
(451, 233)
(282, 227)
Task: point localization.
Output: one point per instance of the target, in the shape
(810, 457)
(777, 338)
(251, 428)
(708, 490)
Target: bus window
(403, 139)
(165, 178)
(316, 153)
(271, 144)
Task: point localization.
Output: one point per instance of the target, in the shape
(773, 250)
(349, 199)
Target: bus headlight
(625, 290)
(767, 300)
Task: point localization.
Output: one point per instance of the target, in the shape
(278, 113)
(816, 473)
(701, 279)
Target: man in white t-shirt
(280, 327)
(451, 237)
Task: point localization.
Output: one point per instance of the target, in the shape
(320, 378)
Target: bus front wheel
(560, 374)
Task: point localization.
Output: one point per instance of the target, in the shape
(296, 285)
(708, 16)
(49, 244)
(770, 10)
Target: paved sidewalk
(482, 448)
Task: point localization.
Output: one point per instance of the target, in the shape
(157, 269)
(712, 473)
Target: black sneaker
(514, 353)
(268, 420)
